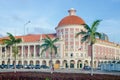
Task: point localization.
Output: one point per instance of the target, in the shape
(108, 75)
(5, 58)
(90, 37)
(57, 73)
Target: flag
(80, 48)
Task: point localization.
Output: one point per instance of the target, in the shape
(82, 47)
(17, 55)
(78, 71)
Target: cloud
(14, 23)
(41, 25)
(41, 30)
(17, 18)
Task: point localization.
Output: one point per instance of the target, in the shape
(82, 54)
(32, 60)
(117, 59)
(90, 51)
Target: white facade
(71, 52)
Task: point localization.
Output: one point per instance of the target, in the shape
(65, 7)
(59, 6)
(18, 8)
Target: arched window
(71, 54)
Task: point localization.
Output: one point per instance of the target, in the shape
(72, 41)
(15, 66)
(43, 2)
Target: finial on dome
(72, 11)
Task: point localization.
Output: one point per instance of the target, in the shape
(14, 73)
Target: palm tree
(49, 44)
(12, 42)
(89, 35)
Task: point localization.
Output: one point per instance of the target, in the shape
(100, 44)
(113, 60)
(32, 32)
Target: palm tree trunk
(91, 59)
(51, 64)
(15, 65)
(8, 62)
(9, 58)
(15, 59)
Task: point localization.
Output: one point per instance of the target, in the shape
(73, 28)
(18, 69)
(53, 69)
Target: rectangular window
(71, 47)
(77, 54)
(71, 39)
(81, 54)
(66, 39)
(66, 54)
(66, 32)
(77, 39)
(77, 29)
(66, 47)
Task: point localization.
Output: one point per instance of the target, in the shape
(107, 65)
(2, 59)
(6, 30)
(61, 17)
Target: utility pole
(25, 26)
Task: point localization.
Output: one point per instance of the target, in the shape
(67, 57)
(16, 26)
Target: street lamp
(25, 26)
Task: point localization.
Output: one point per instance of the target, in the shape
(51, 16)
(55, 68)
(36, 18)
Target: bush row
(54, 76)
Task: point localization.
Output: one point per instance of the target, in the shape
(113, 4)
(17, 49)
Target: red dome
(72, 19)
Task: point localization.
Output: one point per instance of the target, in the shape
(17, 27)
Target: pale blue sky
(46, 14)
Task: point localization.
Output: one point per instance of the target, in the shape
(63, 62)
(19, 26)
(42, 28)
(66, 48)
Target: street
(62, 71)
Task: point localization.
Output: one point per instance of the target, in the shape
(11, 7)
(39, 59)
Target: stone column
(61, 50)
(5, 53)
(28, 51)
(68, 63)
(61, 63)
(89, 62)
(0, 51)
(34, 51)
(22, 50)
(75, 65)
(47, 62)
(11, 54)
(96, 64)
(82, 63)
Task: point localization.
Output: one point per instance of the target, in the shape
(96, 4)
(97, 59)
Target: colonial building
(71, 52)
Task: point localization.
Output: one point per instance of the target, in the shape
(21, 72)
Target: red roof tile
(68, 20)
(31, 37)
(50, 35)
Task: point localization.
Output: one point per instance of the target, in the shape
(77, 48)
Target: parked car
(31, 66)
(99, 67)
(11, 66)
(5, 66)
(44, 67)
(37, 66)
(87, 68)
(19, 66)
(1, 66)
(26, 67)
(61, 67)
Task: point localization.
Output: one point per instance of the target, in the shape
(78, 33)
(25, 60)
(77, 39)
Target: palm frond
(98, 34)
(55, 40)
(48, 44)
(11, 36)
(8, 42)
(87, 27)
(43, 50)
(48, 38)
(43, 45)
(80, 33)
(4, 41)
(18, 40)
(55, 49)
(95, 25)
(85, 38)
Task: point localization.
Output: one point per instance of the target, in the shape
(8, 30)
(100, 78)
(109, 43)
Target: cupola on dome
(72, 19)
